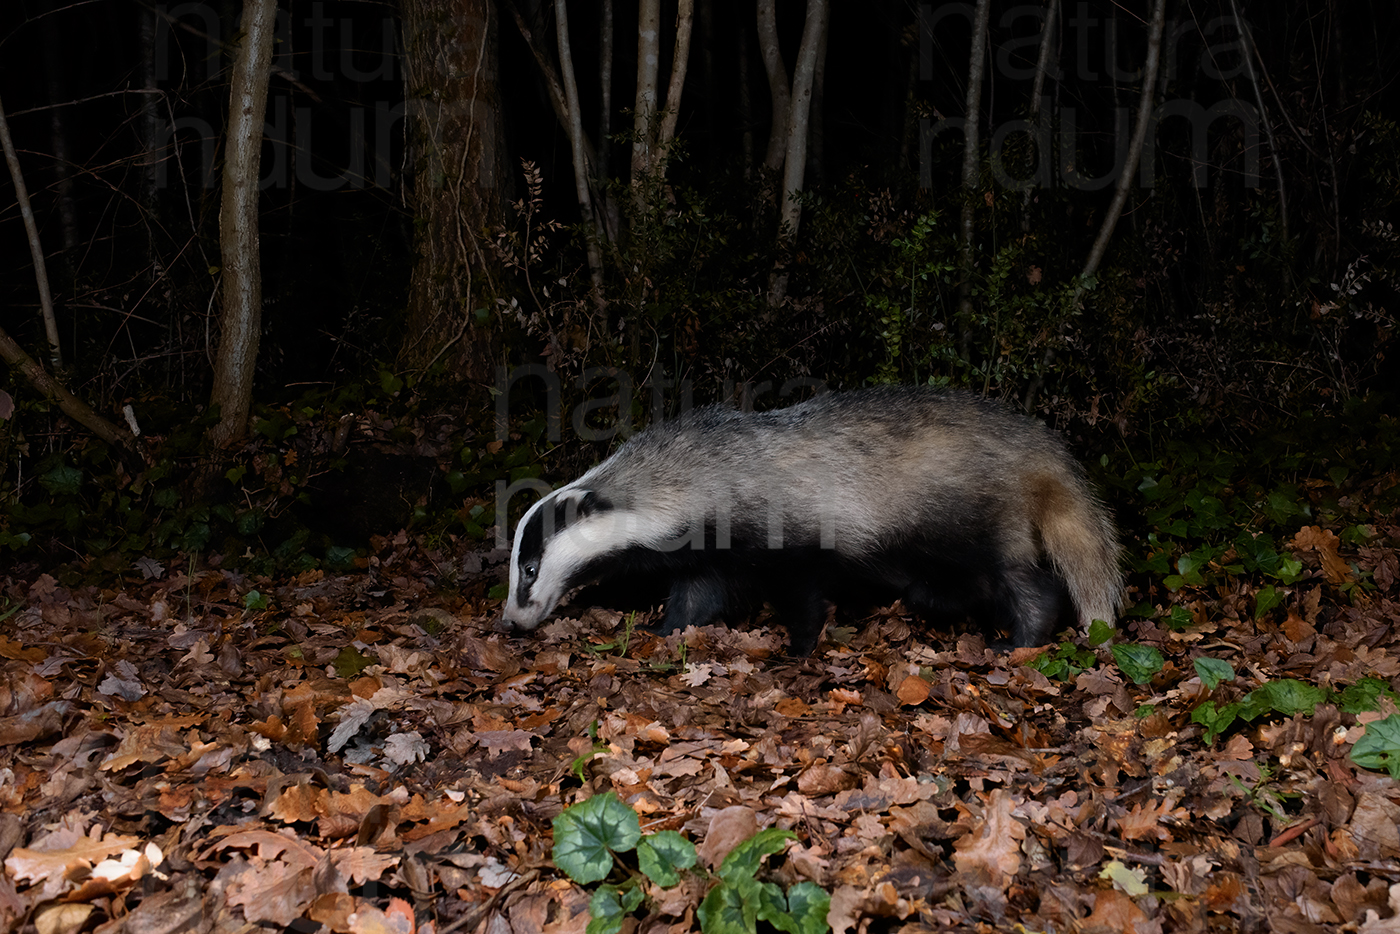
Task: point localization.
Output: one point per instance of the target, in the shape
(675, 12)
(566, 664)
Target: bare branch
(36, 249)
(69, 404)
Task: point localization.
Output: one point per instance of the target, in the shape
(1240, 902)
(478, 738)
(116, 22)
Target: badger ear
(592, 502)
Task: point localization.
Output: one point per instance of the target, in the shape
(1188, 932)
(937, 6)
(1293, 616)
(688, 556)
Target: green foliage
(587, 835)
(1064, 662)
(577, 766)
(1210, 511)
(1138, 662)
(1213, 672)
(262, 511)
(1379, 747)
(1286, 696)
(590, 837)
(1365, 695)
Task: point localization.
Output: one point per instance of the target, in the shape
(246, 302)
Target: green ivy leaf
(62, 480)
(773, 907)
(725, 911)
(1213, 672)
(662, 855)
(587, 834)
(1364, 695)
(1100, 632)
(1139, 662)
(1265, 600)
(1379, 748)
(743, 861)
(1216, 720)
(609, 906)
(1287, 696)
(808, 905)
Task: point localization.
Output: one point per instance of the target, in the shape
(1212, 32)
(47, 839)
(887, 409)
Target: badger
(943, 499)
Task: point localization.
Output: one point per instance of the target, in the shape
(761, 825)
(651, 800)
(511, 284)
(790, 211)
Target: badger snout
(525, 617)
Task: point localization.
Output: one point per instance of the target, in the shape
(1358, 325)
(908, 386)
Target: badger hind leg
(1034, 600)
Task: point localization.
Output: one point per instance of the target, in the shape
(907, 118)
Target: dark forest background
(1249, 283)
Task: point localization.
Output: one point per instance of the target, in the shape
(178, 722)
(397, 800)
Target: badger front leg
(694, 601)
(802, 609)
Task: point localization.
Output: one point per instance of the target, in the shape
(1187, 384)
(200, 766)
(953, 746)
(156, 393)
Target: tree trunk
(777, 84)
(971, 157)
(150, 129)
(644, 111)
(606, 33)
(1250, 51)
(241, 324)
(451, 77)
(685, 18)
(1120, 195)
(816, 145)
(1144, 121)
(1042, 61)
(745, 104)
(576, 138)
(799, 126)
(54, 50)
(799, 117)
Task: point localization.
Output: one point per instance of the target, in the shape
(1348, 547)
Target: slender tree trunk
(799, 118)
(451, 76)
(1250, 51)
(1042, 62)
(605, 67)
(799, 126)
(241, 323)
(36, 247)
(971, 158)
(745, 104)
(551, 79)
(58, 132)
(685, 18)
(1125, 179)
(1144, 122)
(644, 111)
(581, 175)
(778, 85)
(816, 148)
(149, 129)
(707, 72)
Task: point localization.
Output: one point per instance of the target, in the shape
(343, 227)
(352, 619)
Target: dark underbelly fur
(1027, 601)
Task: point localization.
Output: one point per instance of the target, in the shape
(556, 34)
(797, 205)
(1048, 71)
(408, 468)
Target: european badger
(943, 499)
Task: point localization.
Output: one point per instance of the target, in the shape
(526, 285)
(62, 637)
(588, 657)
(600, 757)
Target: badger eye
(530, 571)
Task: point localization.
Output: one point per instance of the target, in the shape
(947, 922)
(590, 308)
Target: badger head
(556, 544)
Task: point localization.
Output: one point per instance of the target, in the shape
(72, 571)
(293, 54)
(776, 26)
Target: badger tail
(1078, 537)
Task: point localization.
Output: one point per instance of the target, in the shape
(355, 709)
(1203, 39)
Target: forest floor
(193, 750)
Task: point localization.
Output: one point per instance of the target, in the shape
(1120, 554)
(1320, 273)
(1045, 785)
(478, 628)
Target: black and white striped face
(558, 541)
